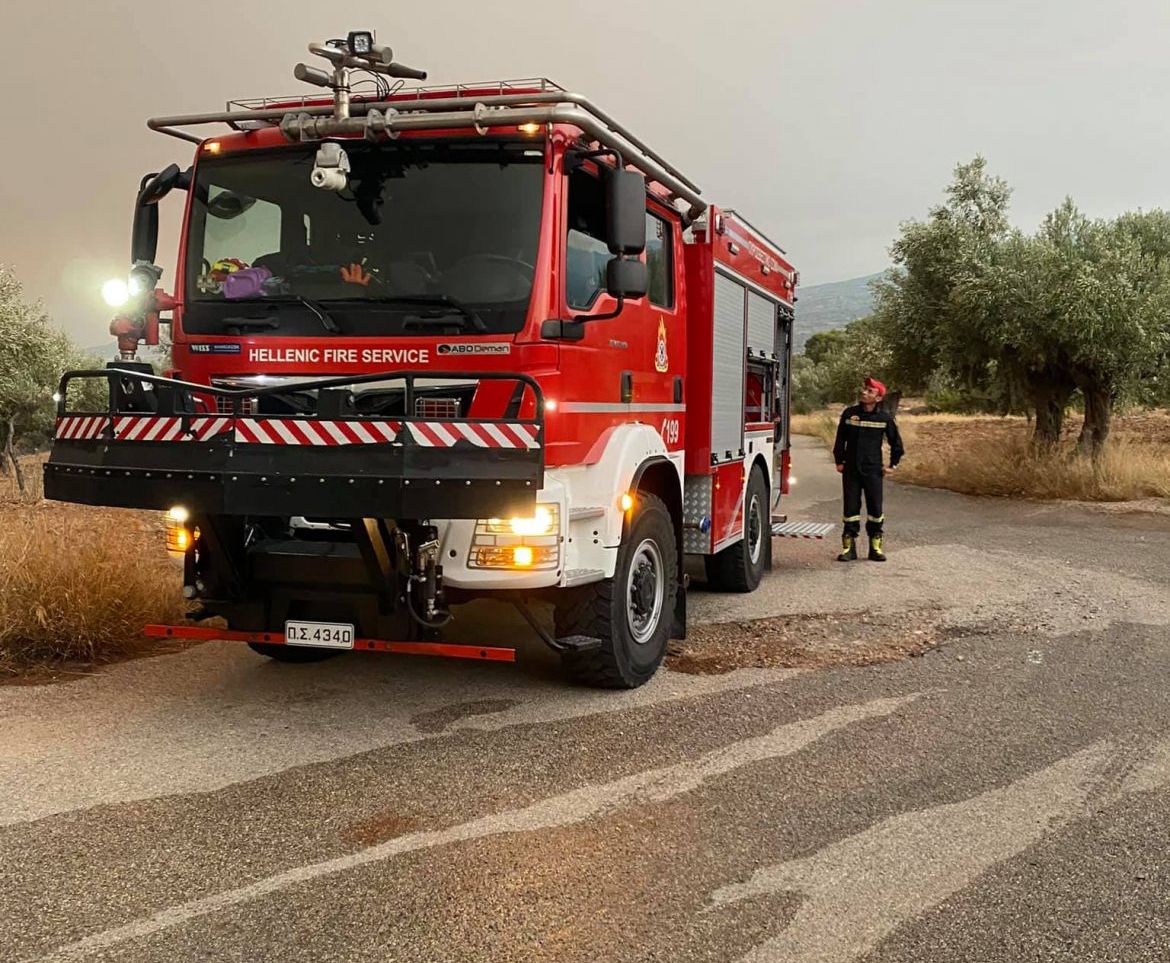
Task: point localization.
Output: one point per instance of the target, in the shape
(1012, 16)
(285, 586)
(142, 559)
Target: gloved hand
(353, 274)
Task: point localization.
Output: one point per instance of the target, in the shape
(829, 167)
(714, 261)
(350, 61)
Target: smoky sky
(825, 123)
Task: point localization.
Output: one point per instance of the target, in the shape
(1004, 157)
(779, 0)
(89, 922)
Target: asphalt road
(1004, 798)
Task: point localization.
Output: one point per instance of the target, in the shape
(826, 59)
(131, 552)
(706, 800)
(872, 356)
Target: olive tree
(33, 355)
(1080, 305)
(921, 314)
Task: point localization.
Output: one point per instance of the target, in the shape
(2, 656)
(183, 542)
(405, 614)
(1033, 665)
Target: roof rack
(731, 212)
(518, 102)
(467, 91)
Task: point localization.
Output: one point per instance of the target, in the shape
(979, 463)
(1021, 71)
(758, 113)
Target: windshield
(426, 238)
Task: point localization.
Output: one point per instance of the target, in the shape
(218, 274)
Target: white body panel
(589, 542)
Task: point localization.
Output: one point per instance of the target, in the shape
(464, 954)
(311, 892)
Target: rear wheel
(292, 653)
(740, 567)
(631, 613)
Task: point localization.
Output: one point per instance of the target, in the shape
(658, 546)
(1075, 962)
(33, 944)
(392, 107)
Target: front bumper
(320, 464)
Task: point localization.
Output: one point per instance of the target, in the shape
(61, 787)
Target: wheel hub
(645, 590)
(755, 529)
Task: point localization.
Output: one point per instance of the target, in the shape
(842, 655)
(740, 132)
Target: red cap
(877, 386)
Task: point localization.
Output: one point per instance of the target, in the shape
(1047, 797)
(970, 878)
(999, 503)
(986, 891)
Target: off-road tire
(601, 610)
(292, 653)
(735, 569)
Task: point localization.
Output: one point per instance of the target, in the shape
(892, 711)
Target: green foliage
(33, 354)
(810, 389)
(834, 364)
(819, 347)
(921, 312)
(1081, 305)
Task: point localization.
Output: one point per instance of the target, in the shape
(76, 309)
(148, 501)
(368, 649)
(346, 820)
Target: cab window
(586, 253)
(660, 260)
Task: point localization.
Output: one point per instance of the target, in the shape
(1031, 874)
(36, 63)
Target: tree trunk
(891, 402)
(1049, 395)
(10, 454)
(1098, 419)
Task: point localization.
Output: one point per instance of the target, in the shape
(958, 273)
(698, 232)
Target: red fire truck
(432, 344)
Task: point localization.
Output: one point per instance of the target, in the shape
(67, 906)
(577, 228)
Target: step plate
(803, 529)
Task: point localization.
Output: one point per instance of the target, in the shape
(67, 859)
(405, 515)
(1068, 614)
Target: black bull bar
(155, 448)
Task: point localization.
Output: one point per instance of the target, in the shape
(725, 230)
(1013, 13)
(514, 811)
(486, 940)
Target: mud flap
(678, 629)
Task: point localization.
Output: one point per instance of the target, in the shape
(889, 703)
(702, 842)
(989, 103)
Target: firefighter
(858, 454)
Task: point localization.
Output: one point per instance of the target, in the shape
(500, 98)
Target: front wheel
(631, 613)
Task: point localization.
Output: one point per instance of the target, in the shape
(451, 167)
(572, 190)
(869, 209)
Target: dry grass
(77, 584)
(11, 495)
(979, 455)
(820, 424)
(991, 456)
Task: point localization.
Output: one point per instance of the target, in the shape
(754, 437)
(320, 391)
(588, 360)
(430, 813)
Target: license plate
(321, 635)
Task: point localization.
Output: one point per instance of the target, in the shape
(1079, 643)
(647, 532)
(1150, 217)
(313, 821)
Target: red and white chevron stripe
(429, 434)
(81, 427)
(168, 428)
(140, 428)
(488, 434)
(293, 431)
(300, 431)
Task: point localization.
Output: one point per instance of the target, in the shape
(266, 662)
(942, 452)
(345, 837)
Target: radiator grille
(223, 406)
(436, 407)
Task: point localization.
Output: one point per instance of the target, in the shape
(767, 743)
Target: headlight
(525, 543)
(544, 521)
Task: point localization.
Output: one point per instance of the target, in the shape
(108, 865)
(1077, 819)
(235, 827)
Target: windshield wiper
(324, 316)
(458, 311)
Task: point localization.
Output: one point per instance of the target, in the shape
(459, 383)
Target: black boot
(848, 549)
(875, 549)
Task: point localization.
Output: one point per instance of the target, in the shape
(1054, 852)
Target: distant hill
(109, 352)
(822, 307)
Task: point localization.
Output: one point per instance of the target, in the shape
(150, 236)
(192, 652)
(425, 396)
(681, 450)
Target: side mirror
(144, 234)
(153, 188)
(625, 211)
(626, 278)
(160, 185)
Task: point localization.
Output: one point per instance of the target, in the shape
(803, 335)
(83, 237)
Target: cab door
(628, 367)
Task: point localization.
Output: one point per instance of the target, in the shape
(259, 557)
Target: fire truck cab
(435, 344)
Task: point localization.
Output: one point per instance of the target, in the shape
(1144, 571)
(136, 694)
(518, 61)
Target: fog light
(179, 537)
(178, 540)
(516, 557)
